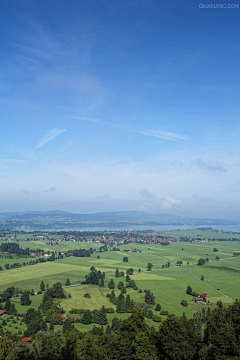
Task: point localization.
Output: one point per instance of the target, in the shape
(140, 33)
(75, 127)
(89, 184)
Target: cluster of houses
(202, 299)
(3, 313)
(131, 250)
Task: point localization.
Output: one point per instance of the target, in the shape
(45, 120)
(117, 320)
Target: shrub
(109, 310)
(184, 303)
(156, 318)
(164, 312)
(87, 295)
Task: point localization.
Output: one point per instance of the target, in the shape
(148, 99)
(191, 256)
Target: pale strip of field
(36, 271)
(147, 276)
(104, 261)
(223, 299)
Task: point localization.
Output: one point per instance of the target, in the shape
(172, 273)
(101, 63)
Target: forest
(177, 338)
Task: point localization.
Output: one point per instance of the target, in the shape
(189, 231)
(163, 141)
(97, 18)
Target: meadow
(221, 278)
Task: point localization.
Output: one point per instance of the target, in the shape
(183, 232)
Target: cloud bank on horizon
(122, 105)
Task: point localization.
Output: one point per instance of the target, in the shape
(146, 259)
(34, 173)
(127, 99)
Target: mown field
(168, 285)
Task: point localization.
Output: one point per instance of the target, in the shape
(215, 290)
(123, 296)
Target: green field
(168, 284)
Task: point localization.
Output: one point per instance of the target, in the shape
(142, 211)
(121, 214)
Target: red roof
(26, 340)
(199, 294)
(63, 317)
(3, 312)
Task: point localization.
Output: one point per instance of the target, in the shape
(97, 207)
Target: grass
(168, 285)
(78, 301)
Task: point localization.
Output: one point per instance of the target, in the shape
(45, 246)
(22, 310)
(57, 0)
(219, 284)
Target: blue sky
(120, 105)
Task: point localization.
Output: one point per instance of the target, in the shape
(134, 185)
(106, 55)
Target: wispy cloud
(209, 165)
(166, 135)
(10, 161)
(51, 189)
(90, 119)
(24, 191)
(51, 135)
(201, 197)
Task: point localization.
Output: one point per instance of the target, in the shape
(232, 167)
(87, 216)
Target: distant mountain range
(62, 219)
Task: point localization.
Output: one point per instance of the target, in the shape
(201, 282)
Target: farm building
(26, 340)
(3, 313)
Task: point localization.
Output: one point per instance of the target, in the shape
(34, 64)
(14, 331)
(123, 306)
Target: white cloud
(168, 202)
(51, 135)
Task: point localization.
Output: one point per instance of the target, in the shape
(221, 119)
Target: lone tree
(42, 286)
(102, 316)
(149, 266)
(189, 290)
(125, 259)
(117, 274)
(201, 261)
(130, 271)
(184, 303)
(12, 310)
(111, 284)
(25, 298)
(67, 283)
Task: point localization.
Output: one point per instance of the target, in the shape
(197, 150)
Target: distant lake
(232, 228)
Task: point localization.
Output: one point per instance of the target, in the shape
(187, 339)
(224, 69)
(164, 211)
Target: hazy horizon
(120, 105)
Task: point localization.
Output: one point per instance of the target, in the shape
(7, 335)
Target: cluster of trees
(123, 305)
(115, 248)
(82, 252)
(95, 316)
(149, 298)
(201, 261)
(10, 308)
(25, 299)
(189, 291)
(119, 273)
(13, 248)
(166, 265)
(34, 321)
(49, 306)
(12, 266)
(95, 277)
(236, 254)
(103, 248)
(130, 271)
(149, 266)
(179, 263)
(176, 339)
(129, 284)
(9, 293)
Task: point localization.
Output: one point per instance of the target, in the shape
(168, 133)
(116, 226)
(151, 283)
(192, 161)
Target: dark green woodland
(213, 336)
